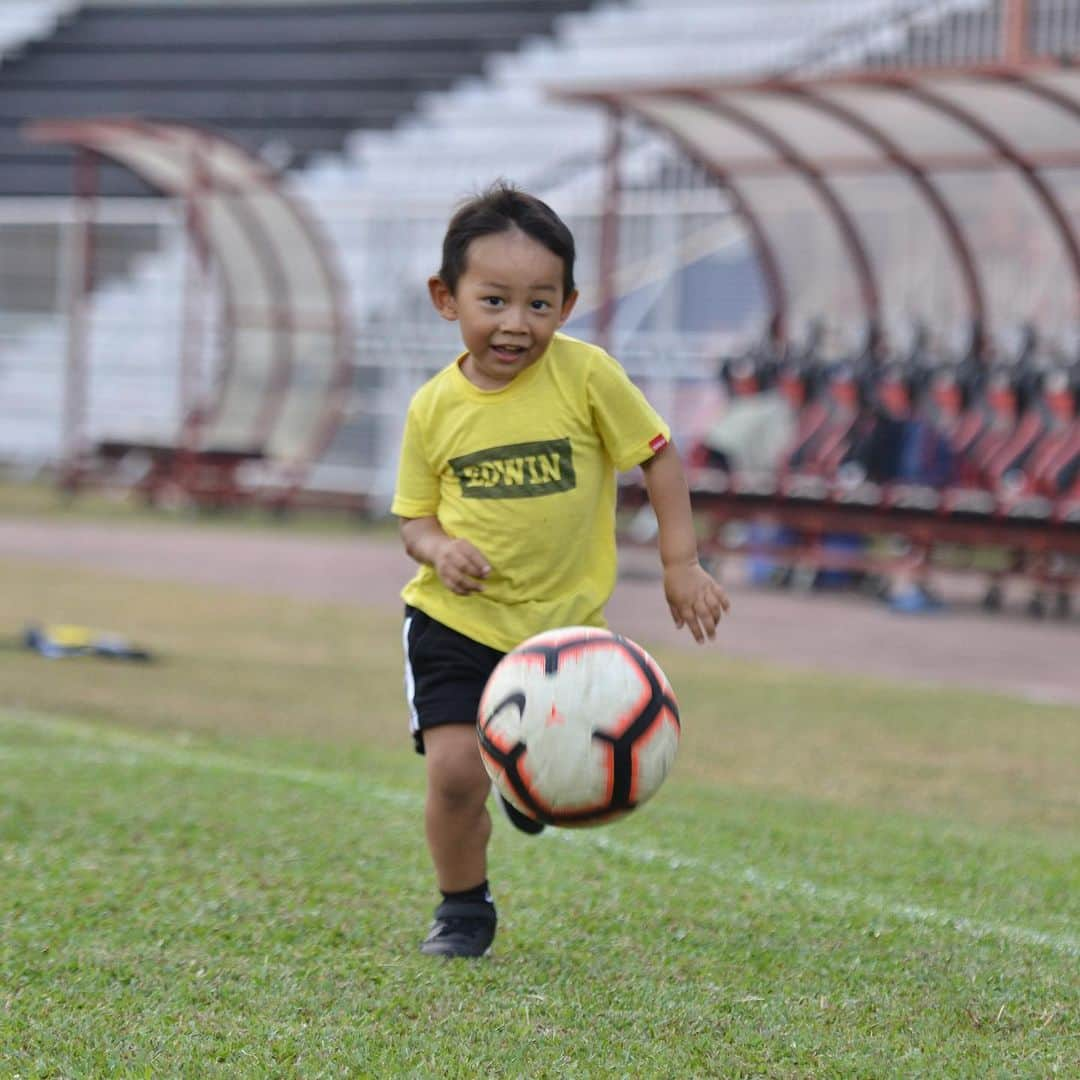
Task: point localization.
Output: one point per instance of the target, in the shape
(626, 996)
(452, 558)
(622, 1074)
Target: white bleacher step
(500, 149)
(21, 21)
(638, 63)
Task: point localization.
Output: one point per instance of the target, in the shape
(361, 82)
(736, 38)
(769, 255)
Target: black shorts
(445, 674)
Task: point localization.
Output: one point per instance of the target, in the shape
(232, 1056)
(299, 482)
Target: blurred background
(851, 221)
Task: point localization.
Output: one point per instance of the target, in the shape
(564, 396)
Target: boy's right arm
(461, 566)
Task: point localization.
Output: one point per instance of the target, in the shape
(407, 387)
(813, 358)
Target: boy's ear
(442, 298)
(568, 307)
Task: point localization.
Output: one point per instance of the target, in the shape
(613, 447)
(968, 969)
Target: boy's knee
(455, 772)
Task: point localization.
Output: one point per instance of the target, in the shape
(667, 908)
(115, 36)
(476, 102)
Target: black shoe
(461, 928)
(519, 820)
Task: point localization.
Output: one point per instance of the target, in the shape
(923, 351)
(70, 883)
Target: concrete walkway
(1011, 653)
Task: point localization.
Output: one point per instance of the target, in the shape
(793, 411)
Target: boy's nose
(513, 318)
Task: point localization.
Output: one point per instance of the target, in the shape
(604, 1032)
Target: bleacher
(384, 196)
(466, 134)
(286, 80)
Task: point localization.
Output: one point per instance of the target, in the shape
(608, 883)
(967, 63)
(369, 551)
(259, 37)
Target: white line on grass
(131, 745)
(842, 899)
(176, 753)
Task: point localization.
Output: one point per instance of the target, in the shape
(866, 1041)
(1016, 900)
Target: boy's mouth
(508, 353)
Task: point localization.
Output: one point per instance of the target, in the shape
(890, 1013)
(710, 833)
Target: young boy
(506, 495)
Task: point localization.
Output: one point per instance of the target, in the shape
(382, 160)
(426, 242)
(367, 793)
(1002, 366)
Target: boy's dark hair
(501, 207)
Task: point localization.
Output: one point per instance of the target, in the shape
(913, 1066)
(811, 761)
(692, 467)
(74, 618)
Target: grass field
(212, 866)
(42, 499)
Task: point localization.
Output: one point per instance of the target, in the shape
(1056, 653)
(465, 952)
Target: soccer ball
(578, 726)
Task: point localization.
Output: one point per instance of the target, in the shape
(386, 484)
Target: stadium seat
(826, 424)
(1047, 466)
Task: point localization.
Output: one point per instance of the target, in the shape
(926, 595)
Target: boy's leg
(456, 819)
(445, 673)
(458, 828)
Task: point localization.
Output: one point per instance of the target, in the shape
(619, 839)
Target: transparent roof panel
(813, 133)
(1065, 184)
(1063, 82)
(801, 229)
(721, 141)
(816, 268)
(1019, 118)
(158, 160)
(239, 250)
(304, 271)
(234, 421)
(918, 278)
(919, 131)
(1022, 261)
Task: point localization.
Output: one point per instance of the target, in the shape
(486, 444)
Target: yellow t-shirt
(526, 474)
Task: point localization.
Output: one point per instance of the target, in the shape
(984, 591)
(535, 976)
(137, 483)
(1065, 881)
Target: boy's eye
(540, 305)
(492, 301)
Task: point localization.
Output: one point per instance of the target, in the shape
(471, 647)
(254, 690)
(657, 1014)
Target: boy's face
(509, 302)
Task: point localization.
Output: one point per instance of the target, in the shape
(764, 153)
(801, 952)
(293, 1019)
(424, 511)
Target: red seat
(824, 428)
(987, 429)
(1051, 463)
(1004, 468)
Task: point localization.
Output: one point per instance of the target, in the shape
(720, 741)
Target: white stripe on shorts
(410, 681)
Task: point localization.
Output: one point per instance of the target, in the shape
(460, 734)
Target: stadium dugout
(944, 197)
(285, 342)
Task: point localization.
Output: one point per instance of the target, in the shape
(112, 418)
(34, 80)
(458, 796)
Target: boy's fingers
(690, 620)
(477, 565)
(706, 619)
(462, 582)
(717, 598)
(469, 560)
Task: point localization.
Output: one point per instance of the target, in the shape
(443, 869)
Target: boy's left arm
(695, 598)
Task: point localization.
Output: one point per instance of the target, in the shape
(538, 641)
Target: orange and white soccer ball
(578, 726)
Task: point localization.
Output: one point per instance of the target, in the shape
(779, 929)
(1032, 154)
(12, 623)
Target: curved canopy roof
(943, 196)
(285, 360)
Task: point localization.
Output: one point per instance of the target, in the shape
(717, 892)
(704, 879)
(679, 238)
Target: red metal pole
(194, 299)
(1014, 32)
(609, 232)
(81, 281)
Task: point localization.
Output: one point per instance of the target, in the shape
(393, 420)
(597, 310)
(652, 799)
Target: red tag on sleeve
(657, 444)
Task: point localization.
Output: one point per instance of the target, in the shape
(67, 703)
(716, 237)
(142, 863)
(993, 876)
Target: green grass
(213, 866)
(43, 499)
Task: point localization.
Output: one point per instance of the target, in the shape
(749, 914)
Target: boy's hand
(460, 566)
(695, 598)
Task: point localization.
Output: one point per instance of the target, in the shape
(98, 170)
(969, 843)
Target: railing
(919, 33)
(1054, 28)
